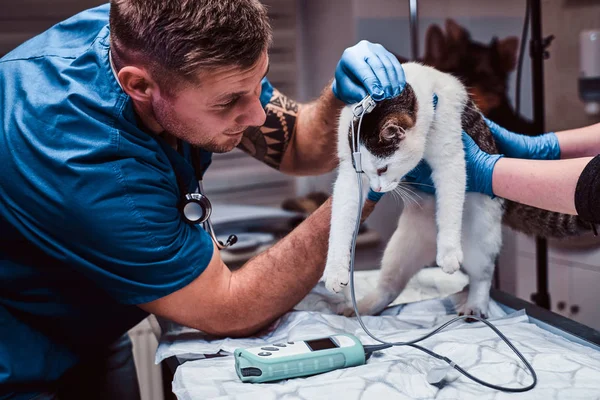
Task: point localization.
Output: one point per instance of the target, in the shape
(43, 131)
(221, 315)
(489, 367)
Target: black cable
(369, 349)
(520, 61)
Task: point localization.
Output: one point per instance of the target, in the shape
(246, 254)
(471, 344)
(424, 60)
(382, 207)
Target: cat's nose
(378, 189)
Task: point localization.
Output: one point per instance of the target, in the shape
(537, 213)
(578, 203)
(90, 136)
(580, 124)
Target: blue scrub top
(89, 224)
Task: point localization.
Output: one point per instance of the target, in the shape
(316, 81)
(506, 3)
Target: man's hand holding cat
(480, 167)
(515, 145)
(367, 68)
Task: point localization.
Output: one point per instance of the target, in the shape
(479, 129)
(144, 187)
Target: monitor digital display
(321, 344)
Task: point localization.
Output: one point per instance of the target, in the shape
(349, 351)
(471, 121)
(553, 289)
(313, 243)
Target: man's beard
(164, 116)
(231, 143)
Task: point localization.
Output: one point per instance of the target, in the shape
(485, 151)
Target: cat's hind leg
(411, 247)
(482, 240)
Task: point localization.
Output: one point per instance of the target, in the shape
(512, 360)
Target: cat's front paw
(337, 281)
(449, 261)
(336, 278)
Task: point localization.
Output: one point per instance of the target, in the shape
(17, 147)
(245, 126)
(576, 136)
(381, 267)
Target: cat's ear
(435, 46)
(456, 33)
(391, 132)
(507, 52)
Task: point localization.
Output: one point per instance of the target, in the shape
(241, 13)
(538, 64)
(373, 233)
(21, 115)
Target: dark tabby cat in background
(482, 68)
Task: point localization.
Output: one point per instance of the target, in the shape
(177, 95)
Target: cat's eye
(381, 171)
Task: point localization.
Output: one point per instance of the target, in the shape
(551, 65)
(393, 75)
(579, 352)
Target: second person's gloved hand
(515, 145)
(367, 68)
(480, 167)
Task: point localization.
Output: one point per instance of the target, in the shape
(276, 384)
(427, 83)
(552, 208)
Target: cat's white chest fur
(436, 137)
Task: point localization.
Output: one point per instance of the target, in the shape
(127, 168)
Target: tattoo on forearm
(269, 142)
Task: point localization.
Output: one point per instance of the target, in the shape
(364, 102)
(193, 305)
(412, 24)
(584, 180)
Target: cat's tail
(537, 222)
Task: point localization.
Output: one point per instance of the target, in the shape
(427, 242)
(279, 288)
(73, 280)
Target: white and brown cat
(452, 229)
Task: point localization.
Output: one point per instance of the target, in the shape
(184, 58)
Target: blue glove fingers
(347, 89)
(468, 142)
(480, 166)
(509, 143)
(495, 128)
(346, 86)
(367, 68)
(375, 196)
(364, 71)
(399, 79)
(540, 147)
(387, 70)
(385, 74)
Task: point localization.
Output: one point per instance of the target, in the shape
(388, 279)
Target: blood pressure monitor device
(286, 360)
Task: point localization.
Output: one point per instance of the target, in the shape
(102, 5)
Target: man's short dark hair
(178, 38)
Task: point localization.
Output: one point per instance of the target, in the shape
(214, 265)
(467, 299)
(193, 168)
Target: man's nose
(254, 115)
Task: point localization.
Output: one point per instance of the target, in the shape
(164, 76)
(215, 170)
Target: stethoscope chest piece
(196, 208)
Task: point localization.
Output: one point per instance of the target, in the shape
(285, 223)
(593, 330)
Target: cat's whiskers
(416, 198)
(408, 197)
(406, 194)
(412, 192)
(417, 184)
(397, 198)
(402, 196)
(407, 200)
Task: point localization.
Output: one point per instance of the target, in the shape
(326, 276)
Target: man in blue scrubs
(91, 236)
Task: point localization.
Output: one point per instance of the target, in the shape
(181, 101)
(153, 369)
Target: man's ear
(137, 83)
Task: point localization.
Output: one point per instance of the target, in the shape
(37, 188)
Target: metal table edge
(549, 321)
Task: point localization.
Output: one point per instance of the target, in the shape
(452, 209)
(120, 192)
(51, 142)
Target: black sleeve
(587, 193)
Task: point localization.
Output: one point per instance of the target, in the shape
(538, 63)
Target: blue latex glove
(515, 145)
(367, 68)
(480, 166)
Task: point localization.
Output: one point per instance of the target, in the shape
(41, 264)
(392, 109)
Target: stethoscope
(196, 207)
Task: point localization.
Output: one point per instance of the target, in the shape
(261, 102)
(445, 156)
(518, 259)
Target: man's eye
(230, 103)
